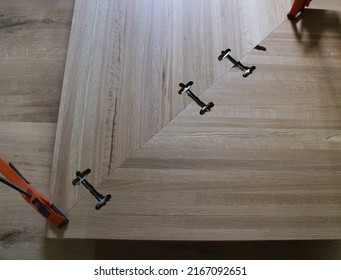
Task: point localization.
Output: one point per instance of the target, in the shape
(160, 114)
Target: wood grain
(34, 39)
(263, 165)
(122, 73)
(33, 42)
(24, 239)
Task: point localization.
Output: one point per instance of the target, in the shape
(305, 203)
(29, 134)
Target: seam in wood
(112, 137)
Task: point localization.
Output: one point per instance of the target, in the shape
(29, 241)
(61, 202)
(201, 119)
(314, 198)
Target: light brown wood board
(181, 155)
(125, 61)
(264, 164)
(23, 238)
(34, 37)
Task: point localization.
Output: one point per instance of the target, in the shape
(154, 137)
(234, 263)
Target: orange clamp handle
(37, 200)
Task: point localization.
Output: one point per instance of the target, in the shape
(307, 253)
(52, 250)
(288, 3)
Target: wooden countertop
(263, 165)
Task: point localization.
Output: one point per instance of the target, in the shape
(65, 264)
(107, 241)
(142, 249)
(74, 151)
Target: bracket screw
(80, 179)
(204, 107)
(247, 70)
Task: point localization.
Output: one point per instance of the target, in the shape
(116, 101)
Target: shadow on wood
(151, 250)
(313, 24)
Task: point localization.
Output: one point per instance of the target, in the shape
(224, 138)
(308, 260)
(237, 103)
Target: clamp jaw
(14, 179)
(297, 9)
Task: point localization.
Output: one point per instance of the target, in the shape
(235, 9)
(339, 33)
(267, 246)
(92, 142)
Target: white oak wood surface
(33, 45)
(264, 164)
(125, 61)
(24, 239)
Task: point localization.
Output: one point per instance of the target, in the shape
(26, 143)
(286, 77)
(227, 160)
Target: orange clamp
(39, 202)
(297, 8)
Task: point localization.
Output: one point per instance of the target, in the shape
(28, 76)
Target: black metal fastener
(247, 70)
(204, 107)
(102, 200)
